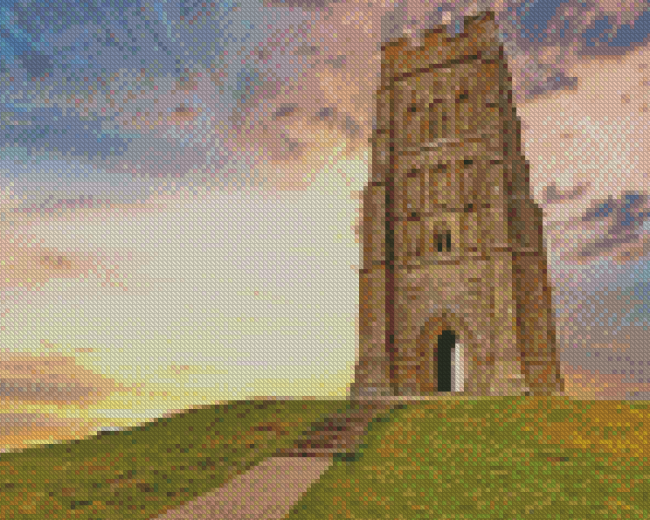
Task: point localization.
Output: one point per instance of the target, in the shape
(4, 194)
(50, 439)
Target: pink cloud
(20, 430)
(589, 385)
(52, 379)
(28, 266)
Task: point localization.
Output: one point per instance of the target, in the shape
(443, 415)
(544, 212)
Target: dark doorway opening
(446, 343)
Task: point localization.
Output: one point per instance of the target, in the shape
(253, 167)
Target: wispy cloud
(618, 223)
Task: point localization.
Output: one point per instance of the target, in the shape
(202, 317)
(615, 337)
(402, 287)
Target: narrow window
(445, 118)
(438, 118)
(413, 238)
(412, 194)
(437, 234)
(439, 242)
(463, 111)
(443, 242)
(434, 121)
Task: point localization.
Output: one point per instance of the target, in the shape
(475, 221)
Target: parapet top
(479, 40)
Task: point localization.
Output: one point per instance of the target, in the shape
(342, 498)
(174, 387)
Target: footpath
(269, 490)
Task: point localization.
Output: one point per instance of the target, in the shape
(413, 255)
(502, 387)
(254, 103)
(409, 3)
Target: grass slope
(142, 472)
(515, 457)
(490, 458)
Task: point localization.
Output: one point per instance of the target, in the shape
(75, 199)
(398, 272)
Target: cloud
(559, 81)
(302, 4)
(607, 36)
(51, 379)
(601, 385)
(334, 117)
(544, 38)
(194, 116)
(588, 26)
(286, 109)
(31, 266)
(618, 223)
(44, 380)
(552, 195)
(79, 102)
(20, 430)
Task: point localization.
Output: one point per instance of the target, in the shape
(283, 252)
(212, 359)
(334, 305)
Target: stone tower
(453, 291)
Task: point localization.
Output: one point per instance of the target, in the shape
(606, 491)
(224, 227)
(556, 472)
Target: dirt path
(269, 490)
(265, 492)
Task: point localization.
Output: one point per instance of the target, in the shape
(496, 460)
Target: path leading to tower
(269, 490)
(265, 492)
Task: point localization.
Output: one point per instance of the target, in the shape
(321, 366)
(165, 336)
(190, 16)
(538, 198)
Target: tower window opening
(443, 242)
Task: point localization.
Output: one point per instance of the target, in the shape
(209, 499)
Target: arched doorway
(446, 351)
(443, 363)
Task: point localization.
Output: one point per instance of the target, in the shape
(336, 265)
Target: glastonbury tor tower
(454, 297)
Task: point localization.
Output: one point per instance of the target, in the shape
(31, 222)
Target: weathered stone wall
(452, 239)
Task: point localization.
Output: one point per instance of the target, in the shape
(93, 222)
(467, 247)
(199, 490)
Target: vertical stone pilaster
(507, 375)
(373, 368)
(537, 339)
(372, 374)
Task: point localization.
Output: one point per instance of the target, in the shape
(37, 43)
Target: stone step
(338, 433)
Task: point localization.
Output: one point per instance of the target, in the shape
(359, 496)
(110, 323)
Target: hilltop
(504, 457)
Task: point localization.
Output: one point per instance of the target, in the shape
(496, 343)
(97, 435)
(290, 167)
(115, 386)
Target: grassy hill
(141, 472)
(488, 458)
(515, 457)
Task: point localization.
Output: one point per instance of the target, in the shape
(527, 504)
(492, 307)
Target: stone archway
(442, 357)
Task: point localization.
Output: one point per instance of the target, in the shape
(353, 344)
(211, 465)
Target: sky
(179, 196)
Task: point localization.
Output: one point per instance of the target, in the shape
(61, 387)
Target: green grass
(512, 458)
(141, 472)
